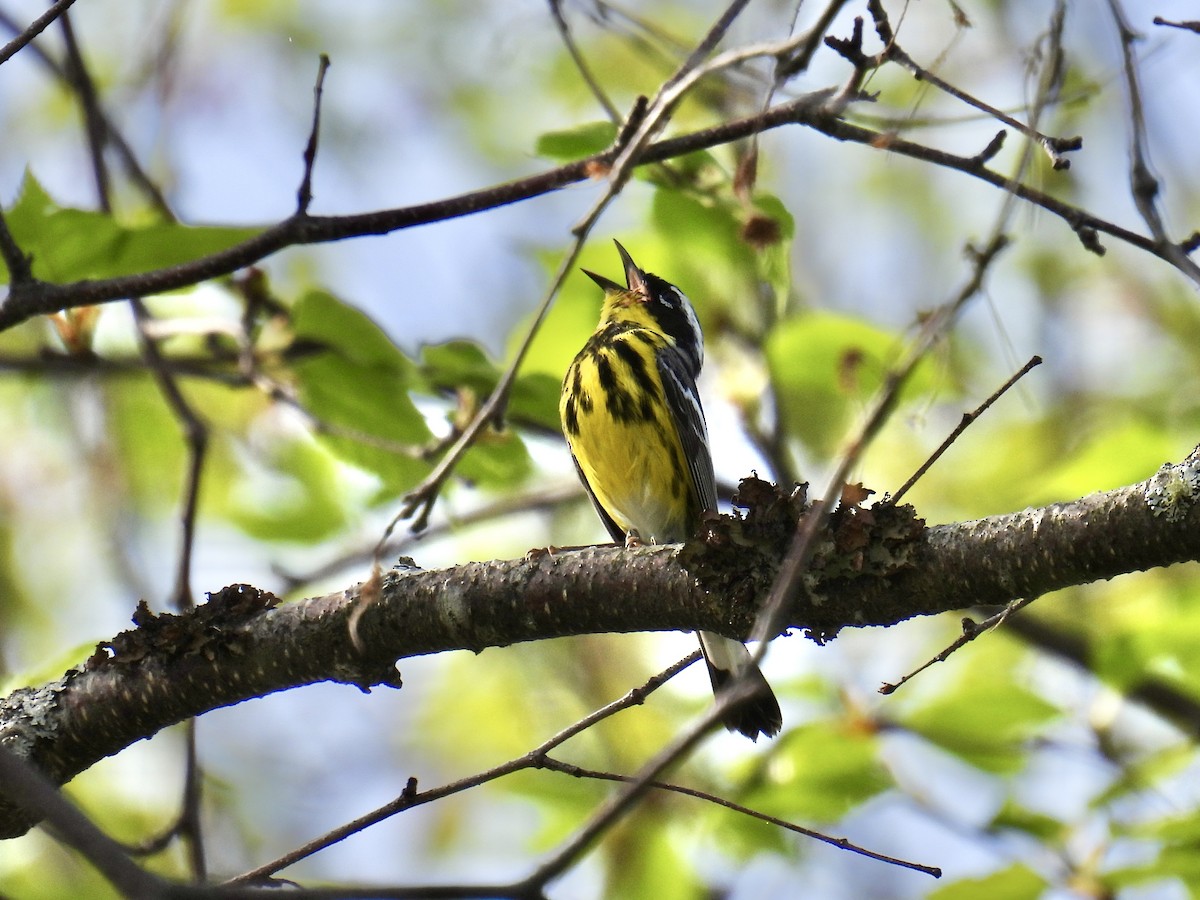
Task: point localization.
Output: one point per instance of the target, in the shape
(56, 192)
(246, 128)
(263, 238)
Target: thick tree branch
(242, 645)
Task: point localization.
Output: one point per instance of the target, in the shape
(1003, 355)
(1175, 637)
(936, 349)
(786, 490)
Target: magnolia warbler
(631, 414)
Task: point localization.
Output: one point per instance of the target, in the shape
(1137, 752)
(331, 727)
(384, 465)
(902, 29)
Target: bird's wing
(614, 530)
(683, 400)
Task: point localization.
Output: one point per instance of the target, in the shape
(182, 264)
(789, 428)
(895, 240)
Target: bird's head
(652, 302)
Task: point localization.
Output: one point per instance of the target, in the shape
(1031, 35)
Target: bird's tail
(759, 712)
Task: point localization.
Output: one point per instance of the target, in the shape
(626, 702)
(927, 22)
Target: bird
(633, 420)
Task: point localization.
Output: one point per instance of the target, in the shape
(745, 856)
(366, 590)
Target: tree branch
(36, 27)
(241, 644)
(27, 299)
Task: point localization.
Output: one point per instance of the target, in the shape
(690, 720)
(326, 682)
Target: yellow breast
(620, 430)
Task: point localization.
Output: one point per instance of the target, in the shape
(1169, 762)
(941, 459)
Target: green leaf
(73, 244)
(1014, 817)
(1017, 882)
(328, 322)
(288, 493)
(358, 388)
(497, 459)
(147, 442)
(984, 716)
(1147, 774)
(578, 142)
(457, 364)
(825, 367)
(571, 319)
(1174, 863)
(832, 766)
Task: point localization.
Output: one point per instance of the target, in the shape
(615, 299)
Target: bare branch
(966, 421)
(1189, 25)
(412, 797)
(585, 72)
(304, 195)
(36, 796)
(36, 27)
(1055, 147)
(555, 765)
(38, 297)
(616, 805)
(970, 631)
(80, 80)
(195, 435)
(1143, 185)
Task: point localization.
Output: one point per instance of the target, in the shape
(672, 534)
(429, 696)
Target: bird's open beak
(634, 277)
(606, 284)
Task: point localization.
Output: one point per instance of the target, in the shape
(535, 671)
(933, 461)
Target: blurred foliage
(811, 269)
(73, 244)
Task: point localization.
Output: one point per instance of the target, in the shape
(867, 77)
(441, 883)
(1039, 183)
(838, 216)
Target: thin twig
(1189, 25)
(412, 797)
(797, 60)
(966, 421)
(304, 194)
(555, 765)
(195, 436)
(24, 302)
(1144, 187)
(970, 630)
(621, 802)
(27, 786)
(1055, 147)
(188, 825)
(115, 139)
(714, 35)
(585, 72)
(191, 829)
(36, 27)
(80, 80)
(20, 265)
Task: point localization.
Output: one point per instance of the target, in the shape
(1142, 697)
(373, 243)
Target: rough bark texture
(244, 644)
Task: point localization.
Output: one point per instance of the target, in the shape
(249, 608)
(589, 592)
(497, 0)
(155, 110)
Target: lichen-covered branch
(877, 566)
